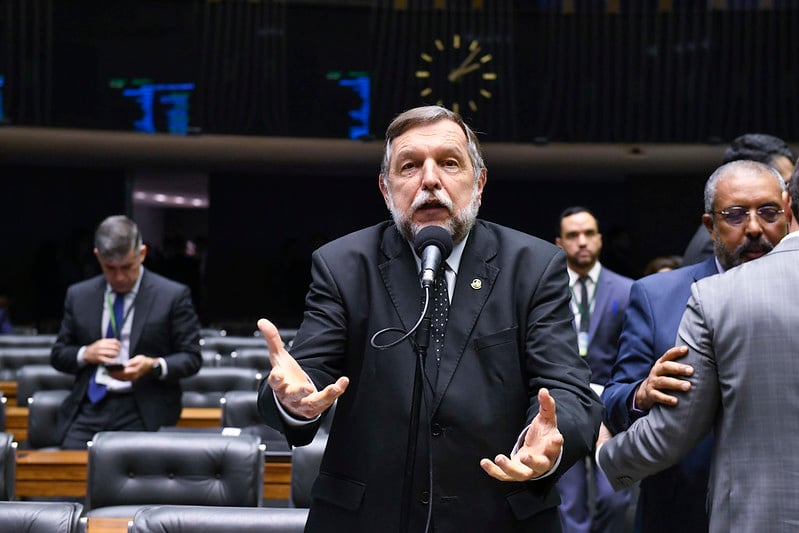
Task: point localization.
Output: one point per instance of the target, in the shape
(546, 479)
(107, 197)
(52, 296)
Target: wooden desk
(51, 473)
(200, 417)
(9, 390)
(100, 524)
(192, 417)
(17, 422)
(63, 473)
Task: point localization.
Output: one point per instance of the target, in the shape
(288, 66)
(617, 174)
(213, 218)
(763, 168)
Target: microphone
(432, 244)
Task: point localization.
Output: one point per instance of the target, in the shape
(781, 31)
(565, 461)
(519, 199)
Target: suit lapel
(94, 314)
(400, 277)
(706, 268)
(604, 290)
(143, 303)
(474, 284)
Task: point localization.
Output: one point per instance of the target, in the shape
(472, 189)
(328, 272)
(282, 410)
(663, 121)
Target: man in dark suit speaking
(506, 404)
(128, 336)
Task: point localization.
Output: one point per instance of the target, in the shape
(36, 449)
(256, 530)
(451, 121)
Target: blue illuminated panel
(359, 83)
(165, 107)
(2, 84)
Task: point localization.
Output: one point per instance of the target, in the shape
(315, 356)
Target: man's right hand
(102, 351)
(290, 383)
(664, 377)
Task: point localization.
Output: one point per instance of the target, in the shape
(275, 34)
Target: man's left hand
(538, 453)
(135, 368)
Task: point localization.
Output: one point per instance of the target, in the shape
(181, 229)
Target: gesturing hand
(662, 378)
(539, 451)
(290, 383)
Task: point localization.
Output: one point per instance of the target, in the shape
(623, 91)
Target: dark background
(587, 95)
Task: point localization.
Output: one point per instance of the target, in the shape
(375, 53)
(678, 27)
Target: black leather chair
(257, 358)
(219, 348)
(21, 341)
(225, 345)
(191, 518)
(207, 387)
(127, 470)
(12, 358)
(3, 401)
(43, 407)
(8, 466)
(240, 410)
(40, 517)
(32, 378)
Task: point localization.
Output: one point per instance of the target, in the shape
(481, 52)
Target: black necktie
(438, 325)
(585, 304)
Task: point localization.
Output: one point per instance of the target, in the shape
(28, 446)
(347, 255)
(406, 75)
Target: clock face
(456, 74)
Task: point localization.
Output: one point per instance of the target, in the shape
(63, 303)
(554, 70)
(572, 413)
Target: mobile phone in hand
(114, 367)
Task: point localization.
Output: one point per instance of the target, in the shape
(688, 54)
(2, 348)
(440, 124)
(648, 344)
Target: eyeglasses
(734, 216)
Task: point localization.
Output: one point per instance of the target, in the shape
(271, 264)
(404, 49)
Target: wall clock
(456, 75)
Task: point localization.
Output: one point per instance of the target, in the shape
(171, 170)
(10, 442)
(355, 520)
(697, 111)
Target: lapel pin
(477, 284)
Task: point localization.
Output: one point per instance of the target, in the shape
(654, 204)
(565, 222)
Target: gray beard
(459, 224)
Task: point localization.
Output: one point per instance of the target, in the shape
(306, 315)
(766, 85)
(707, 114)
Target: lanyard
(117, 329)
(581, 307)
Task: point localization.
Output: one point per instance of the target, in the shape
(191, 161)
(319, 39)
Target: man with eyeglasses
(741, 345)
(760, 147)
(744, 215)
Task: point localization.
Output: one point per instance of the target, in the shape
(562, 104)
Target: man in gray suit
(742, 343)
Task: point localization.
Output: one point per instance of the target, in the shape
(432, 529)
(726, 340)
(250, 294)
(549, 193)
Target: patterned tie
(98, 391)
(438, 325)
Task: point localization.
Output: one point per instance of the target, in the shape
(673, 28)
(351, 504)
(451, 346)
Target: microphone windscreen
(433, 235)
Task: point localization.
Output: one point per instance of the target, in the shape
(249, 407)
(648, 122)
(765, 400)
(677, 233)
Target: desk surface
(99, 524)
(47, 473)
(191, 417)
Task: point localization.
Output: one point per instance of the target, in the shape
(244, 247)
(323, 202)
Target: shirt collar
(453, 261)
(593, 274)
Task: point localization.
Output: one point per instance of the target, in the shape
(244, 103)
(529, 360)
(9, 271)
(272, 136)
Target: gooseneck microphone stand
(420, 347)
(432, 245)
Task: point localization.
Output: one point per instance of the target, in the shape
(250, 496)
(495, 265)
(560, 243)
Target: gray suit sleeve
(663, 437)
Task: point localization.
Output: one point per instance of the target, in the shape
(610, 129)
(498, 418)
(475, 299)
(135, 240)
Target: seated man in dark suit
(128, 336)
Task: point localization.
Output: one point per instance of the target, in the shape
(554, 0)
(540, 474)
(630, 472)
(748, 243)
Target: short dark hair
(760, 147)
(573, 210)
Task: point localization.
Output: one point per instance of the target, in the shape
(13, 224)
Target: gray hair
(429, 115)
(727, 169)
(116, 236)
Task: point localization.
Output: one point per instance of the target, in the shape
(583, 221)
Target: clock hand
(470, 68)
(465, 67)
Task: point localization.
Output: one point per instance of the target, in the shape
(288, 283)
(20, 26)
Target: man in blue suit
(598, 314)
(740, 199)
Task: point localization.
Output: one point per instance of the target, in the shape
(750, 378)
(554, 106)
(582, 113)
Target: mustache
(754, 245)
(437, 196)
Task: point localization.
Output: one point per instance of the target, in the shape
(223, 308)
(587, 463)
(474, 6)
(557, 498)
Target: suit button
(435, 429)
(425, 498)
